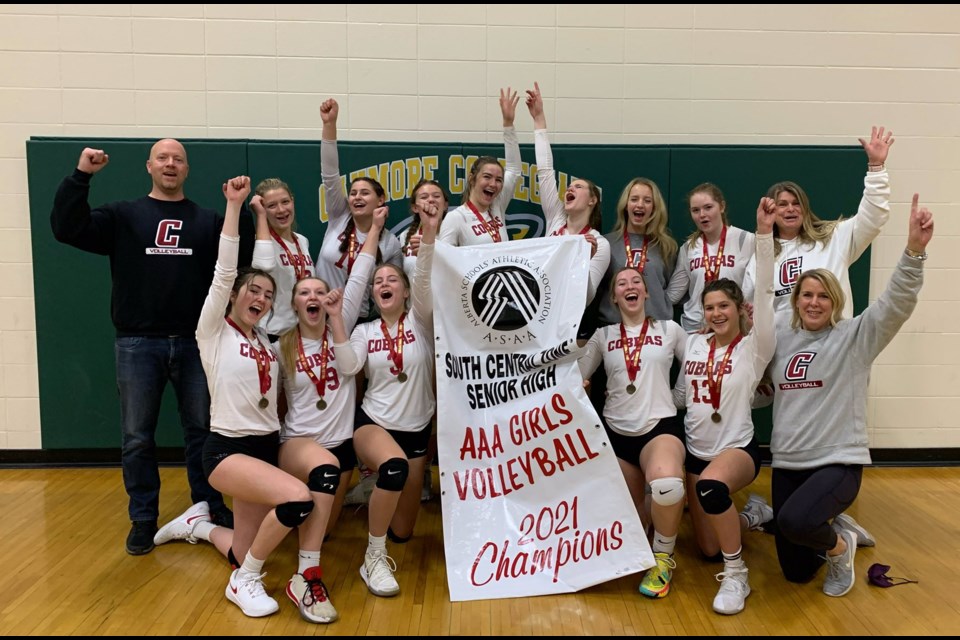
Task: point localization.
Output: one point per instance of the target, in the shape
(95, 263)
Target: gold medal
(264, 403)
(631, 388)
(715, 416)
(321, 404)
(402, 376)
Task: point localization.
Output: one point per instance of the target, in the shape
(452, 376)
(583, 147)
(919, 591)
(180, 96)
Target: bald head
(168, 168)
(170, 145)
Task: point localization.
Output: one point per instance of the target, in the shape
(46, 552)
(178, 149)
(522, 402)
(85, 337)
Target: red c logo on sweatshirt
(798, 365)
(165, 233)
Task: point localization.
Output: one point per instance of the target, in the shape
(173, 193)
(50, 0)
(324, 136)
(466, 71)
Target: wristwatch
(916, 254)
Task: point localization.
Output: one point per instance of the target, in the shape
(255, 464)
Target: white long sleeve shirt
(461, 227)
(850, 239)
(271, 257)
(707, 439)
(395, 405)
(333, 265)
(690, 274)
(229, 361)
(332, 425)
(556, 217)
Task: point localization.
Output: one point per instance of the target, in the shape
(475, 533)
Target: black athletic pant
(805, 503)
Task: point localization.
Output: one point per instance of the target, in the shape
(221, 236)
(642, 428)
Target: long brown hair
(351, 223)
(415, 224)
(714, 192)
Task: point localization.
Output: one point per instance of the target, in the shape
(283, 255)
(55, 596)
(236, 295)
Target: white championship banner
(533, 498)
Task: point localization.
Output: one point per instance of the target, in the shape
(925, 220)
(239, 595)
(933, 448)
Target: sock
(202, 530)
(251, 565)
(376, 544)
(733, 560)
(663, 544)
(307, 559)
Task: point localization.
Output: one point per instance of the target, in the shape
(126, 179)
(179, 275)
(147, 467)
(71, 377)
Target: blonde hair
(812, 228)
(289, 347)
(833, 289)
(273, 184)
(657, 226)
(714, 192)
(400, 272)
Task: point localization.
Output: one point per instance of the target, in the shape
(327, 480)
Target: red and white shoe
(181, 527)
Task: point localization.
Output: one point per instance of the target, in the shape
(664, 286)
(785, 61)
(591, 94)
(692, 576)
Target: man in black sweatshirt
(162, 250)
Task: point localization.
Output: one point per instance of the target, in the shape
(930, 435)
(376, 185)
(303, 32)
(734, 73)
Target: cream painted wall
(814, 74)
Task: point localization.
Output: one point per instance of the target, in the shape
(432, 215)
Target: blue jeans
(144, 366)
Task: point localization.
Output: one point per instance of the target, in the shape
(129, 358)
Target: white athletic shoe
(308, 592)
(734, 589)
(757, 512)
(360, 492)
(247, 592)
(181, 527)
(377, 573)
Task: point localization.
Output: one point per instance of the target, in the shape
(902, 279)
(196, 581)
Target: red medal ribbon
(259, 354)
(632, 358)
(631, 258)
(489, 225)
(562, 230)
(319, 383)
(715, 383)
(299, 263)
(710, 274)
(396, 352)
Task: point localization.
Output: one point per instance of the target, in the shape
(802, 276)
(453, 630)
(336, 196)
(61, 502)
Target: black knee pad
(324, 479)
(232, 559)
(717, 557)
(395, 538)
(292, 514)
(392, 474)
(714, 496)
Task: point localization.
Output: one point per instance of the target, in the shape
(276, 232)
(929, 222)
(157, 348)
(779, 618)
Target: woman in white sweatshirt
(804, 241)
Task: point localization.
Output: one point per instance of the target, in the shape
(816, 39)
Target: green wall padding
(78, 400)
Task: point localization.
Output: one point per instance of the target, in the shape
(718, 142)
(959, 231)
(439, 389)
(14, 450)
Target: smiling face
(486, 179)
(815, 304)
(252, 301)
(639, 208)
(365, 196)
(629, 292)
(390, 290)
(168, 169)
(789, 214)
(429, 193)
(307, 296)
(722, 315)
(280, 211)
(706, 213)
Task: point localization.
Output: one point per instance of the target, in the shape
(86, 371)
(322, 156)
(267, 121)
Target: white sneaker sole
(232, 597)
(382, 594)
